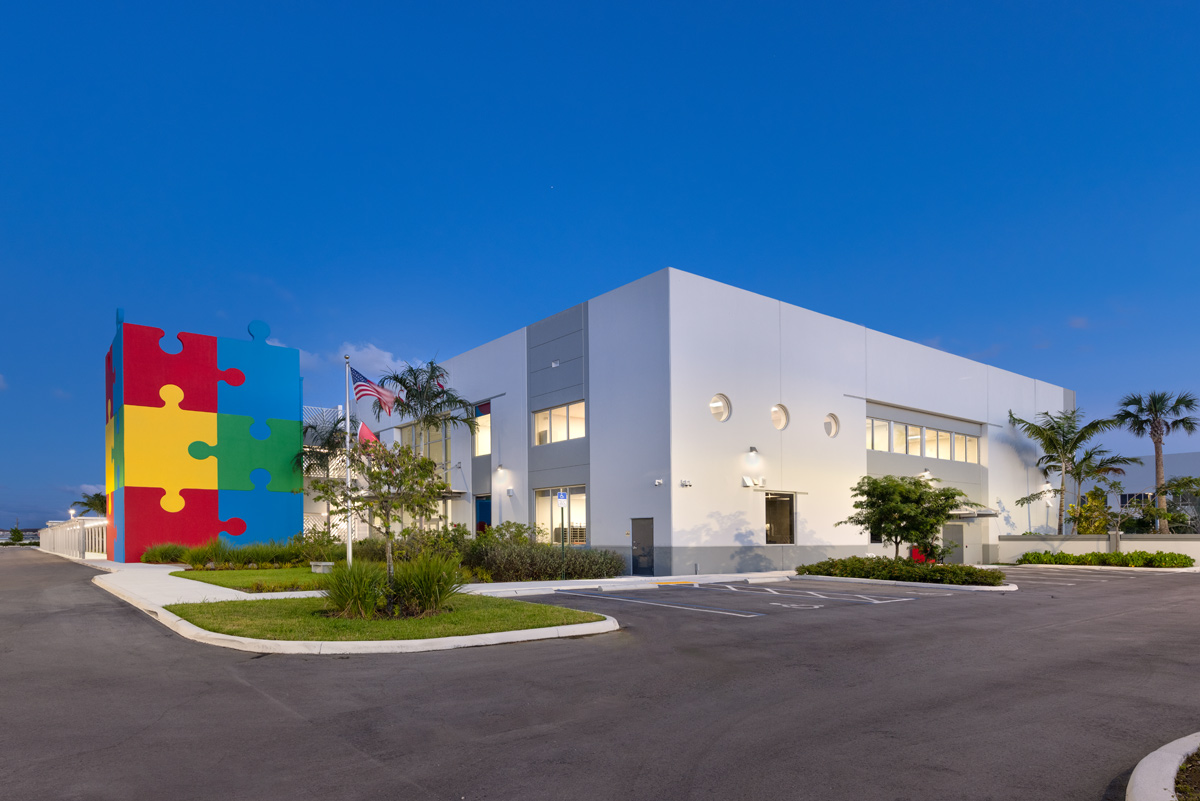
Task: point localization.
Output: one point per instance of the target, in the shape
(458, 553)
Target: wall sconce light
(658, 482)
(753, 449)
(509, 492)
(925, 474)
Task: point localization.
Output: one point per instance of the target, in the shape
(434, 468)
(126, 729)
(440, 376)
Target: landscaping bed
(284, 579)
(884, 569)
(1101, 559)
(1187, 780)
(309, 619)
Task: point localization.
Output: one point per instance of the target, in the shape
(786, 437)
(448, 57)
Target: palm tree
(93, 502)
(1060, 435)
(1158, 414)
(423, 397)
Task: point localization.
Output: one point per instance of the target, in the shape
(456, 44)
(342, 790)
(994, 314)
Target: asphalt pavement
(793, 690)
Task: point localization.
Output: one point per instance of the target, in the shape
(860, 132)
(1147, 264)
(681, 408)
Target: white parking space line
(686, 607)
(826, 595)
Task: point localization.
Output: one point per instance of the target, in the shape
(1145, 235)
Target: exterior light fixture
(753, 449)
(925, 474)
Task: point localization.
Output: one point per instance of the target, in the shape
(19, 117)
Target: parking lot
(792, 689)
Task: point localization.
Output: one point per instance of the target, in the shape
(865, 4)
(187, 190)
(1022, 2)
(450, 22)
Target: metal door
(952, 534)
(643, 545)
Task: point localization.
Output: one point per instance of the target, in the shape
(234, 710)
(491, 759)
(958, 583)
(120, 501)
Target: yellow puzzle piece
(156, 448)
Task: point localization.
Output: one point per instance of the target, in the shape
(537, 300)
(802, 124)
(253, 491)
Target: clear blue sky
(1015, 182)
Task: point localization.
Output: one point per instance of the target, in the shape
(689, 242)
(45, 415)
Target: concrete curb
(318, 647)
(76, 560)
(1105, 567)
(925, 584)
(1154, 777)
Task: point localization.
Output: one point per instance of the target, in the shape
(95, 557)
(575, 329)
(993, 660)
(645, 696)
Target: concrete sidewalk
(155, 585)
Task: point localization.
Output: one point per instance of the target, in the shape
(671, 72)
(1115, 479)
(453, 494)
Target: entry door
(952, 534)
(643, 546)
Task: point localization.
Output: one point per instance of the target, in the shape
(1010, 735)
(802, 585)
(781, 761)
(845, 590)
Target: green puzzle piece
(238, 453)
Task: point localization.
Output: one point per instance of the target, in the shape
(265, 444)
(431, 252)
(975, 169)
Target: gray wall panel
(563, 349)
(552, 379)
(561, 324)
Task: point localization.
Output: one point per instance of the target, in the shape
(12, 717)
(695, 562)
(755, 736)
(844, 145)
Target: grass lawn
(285, 579)
(304, 619)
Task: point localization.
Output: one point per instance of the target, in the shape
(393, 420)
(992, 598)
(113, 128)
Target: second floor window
(483, 429)
(559, 424)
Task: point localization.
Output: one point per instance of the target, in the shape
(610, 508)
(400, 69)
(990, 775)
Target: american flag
(364, 388)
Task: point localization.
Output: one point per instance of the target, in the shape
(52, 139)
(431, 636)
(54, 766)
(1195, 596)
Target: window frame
(547, 417)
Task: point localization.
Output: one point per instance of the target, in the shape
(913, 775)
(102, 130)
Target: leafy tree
(1180, 514)
(1091, 516)
(1060, 435)
(93, 502)
(423, 398)
(899, 509)
(388, 482)
(15, 534)
(1156, 415)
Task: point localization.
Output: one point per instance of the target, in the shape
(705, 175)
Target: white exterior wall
(759, 351)
(495, 369)
(629, 412)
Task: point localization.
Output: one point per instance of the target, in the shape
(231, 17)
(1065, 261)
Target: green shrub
(166, 553)
(423, 585)
(1121, 559)
(880, 567)
(355, 590)
(370, 550)
(524, 562)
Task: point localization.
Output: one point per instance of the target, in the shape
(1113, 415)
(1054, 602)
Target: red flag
(365, 434)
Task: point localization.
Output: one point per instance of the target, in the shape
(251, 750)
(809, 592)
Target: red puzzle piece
(194, 369)
(147, 523)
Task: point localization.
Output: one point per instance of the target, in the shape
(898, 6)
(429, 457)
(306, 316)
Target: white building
(697, 427)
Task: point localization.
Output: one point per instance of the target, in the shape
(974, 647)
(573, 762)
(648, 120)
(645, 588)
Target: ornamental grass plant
(354, 591)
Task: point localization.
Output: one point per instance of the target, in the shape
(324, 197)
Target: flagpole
(349, 537)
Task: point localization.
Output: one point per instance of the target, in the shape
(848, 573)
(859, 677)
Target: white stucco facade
(646, 360)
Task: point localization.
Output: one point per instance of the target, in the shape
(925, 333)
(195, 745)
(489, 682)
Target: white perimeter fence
(82, 538)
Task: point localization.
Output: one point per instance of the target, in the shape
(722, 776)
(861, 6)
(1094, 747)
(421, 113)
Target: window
(483, 429)
(576, 421)
(779, 416)
(550, 517)
(720, 408)
(918, 441)
(877, 434)
(559, 424)
(832, 424)
(781, 507)
(429, 443)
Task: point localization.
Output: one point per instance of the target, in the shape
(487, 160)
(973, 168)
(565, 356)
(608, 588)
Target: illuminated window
(483, 429)
(559, 424)
(931, 437)
(551, 518)
(973, 450)
(960, 447)
(943, 445)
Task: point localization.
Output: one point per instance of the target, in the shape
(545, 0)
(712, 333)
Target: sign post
(562, 529)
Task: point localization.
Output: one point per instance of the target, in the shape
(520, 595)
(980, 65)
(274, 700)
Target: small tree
(388, 482)
(899, 509)
(15, 534)
(1092, 516)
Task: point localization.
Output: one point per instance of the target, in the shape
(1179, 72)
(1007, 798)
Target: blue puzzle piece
(270, 389)
(118, 504)
(277, 516)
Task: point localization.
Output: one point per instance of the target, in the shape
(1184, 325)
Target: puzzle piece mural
(185, 459)
(267, 515)
(237, 452)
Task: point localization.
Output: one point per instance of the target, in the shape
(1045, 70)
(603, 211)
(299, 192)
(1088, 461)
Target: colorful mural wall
(200, 443)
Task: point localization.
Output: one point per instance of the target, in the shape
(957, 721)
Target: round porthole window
(779, 416)
(831, 425)
(720, 408)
